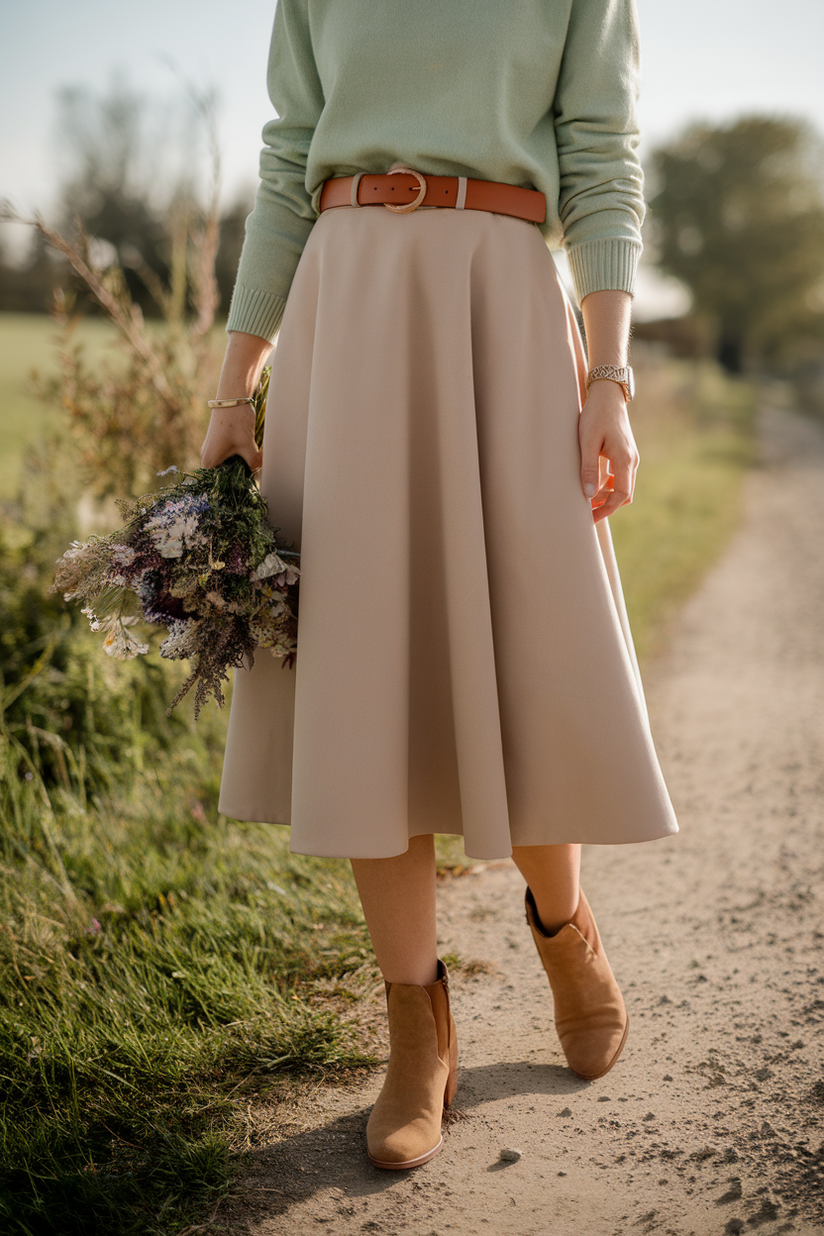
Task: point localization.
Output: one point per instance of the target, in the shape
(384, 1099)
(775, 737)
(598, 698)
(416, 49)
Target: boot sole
(614, 1060)
(406, 1163)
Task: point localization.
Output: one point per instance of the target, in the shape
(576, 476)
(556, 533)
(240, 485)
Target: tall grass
(152, 956)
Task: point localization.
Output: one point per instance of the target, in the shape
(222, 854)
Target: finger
(616, 499)
(212, 456)
(606, 486)
(604, 492)
(590, 464)
(624, 461)
(252, 457)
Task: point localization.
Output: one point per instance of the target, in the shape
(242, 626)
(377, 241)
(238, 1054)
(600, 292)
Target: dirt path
(713, 1120)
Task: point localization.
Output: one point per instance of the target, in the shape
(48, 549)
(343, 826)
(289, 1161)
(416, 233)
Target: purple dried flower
(202, 561)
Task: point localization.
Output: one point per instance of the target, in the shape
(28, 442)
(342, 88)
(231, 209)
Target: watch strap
(615, 373)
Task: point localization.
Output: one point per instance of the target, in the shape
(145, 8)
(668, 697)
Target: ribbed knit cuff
(604, 265)
(255, 312)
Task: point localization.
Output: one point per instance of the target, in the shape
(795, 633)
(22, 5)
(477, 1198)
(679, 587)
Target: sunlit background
(714, 60)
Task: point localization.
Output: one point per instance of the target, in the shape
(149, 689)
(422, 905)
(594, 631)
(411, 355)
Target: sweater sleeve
(601, 201)
(283, 216)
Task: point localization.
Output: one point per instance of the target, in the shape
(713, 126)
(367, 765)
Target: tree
(110, 188)
(28, 286)
(738, 217)
(135, 182)
(232, 232)
(134, 414)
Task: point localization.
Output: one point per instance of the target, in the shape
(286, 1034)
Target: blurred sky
(712, 59)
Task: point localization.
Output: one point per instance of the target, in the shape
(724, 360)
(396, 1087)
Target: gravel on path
(713, 1119)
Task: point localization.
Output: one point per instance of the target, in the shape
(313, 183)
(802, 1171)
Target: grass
(26, 344)
(153, 955)
(158, 961)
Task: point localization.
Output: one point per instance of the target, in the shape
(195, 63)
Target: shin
(552, 873)
(398, 899)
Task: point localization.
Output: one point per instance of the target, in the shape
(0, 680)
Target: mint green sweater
(539, 93)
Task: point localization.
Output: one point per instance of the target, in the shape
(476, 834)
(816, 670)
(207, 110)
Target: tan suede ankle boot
(590, 1016)
(404, 1129)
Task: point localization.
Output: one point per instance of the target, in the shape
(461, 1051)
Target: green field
(161, 966)
(27, 346)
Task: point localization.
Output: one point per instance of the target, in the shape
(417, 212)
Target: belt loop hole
(353, 193)
(460, 202)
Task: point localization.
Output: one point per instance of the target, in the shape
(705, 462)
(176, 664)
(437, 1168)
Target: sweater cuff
(604, 265)
(255, 312)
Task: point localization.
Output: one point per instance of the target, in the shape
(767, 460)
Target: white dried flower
(272, 564)
(119, 642)
(180, 642)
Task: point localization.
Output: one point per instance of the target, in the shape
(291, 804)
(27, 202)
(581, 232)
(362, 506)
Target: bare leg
(398, 899)
(552, 873)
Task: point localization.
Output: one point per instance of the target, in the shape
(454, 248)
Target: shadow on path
(332, 1155)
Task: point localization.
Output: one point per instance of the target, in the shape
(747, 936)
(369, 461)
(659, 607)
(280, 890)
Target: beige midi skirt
(464, 660)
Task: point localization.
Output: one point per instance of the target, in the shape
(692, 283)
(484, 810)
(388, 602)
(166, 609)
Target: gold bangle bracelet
(228, 403)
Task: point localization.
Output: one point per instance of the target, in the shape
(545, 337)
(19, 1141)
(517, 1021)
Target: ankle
(422, 974)
(550, 915)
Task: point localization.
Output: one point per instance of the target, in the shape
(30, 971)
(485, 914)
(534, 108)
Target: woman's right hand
(231, 432)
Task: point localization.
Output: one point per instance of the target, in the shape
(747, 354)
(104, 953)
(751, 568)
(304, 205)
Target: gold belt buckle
(409, 206)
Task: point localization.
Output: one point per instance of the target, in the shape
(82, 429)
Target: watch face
(631, 383)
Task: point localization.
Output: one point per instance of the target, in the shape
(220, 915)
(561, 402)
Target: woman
(464, 660)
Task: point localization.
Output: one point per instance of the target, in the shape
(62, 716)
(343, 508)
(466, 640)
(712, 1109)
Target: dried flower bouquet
(198, 558)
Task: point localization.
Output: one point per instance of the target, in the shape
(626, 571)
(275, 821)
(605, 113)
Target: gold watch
(623, 376)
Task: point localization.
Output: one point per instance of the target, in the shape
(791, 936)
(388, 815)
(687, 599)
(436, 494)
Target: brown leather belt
(404, 190)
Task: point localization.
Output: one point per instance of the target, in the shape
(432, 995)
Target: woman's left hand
(609, 456)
